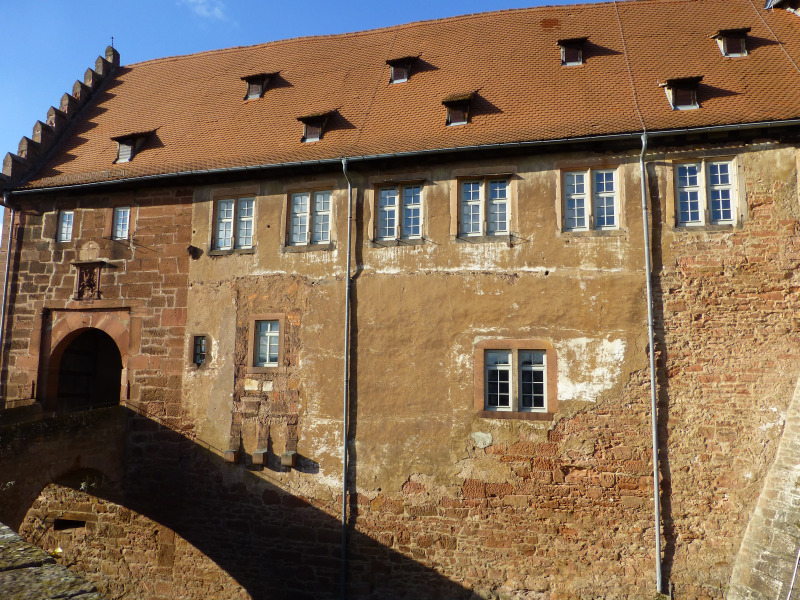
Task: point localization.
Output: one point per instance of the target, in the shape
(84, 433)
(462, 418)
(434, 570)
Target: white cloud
(209, 9)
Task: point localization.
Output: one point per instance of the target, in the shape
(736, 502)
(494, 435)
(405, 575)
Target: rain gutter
(418, 153)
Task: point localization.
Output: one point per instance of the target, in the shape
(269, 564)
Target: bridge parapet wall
(35, 452)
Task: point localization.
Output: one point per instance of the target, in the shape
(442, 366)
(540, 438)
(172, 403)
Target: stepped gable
(206, 111)
(35, 150)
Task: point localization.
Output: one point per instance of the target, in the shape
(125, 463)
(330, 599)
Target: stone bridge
(155, 509)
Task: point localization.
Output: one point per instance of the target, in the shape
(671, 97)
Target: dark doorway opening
(90, 372)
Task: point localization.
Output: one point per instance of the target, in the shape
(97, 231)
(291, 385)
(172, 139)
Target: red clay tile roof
(195, 102)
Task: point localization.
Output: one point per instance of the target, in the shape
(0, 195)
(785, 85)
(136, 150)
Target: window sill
(480, 239)
(308, 248)
(685, 228)
(250, 370)
(250, 250)
(595, 233)
(508, 414)
(398, 242)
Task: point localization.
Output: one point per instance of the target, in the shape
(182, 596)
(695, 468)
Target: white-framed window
(485, 207)
(515, 380)
(234, 223)
(400, 212)
(65, 220)
(121, 222)
(267, 343)
(310, 218)
(705, 193)
(591, 200)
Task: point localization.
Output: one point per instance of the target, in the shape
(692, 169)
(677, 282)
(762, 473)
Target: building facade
(375, 310)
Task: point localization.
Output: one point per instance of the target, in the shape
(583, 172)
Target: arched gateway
(89, 372)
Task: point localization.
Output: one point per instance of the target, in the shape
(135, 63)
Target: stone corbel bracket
(34, 150)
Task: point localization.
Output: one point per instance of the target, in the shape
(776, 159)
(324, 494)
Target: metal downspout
(5, 294)
(346, 391)
(651, 341)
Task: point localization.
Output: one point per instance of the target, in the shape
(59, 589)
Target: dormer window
(732, 42)
(682, 92)
(257, 85)
(314, 126)
(572, 51)
(458, 106)
(400, 69)
(128, 145)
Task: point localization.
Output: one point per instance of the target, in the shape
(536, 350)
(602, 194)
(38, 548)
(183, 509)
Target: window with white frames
(515, 380)
(705, 193)
(267, 343)
(310, 218)
(485, 207)
(234, 223)
(65, 221)
(591, 200)
(121, 222)
(400, 212)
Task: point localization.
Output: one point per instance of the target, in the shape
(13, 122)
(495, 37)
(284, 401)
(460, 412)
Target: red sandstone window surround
(515, 379)
(265, 343)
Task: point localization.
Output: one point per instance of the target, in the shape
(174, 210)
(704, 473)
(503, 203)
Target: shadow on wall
(273, 544)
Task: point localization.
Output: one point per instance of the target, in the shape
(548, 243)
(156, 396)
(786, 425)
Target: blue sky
(47, 45)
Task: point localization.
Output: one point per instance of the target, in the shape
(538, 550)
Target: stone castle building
(387, 314)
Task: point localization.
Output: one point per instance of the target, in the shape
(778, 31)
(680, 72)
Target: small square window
(234, 223)
(199, 350)
(65, 221)
(121, 222)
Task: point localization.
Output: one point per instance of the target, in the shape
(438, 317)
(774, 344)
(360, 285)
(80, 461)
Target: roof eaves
(359, 158)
